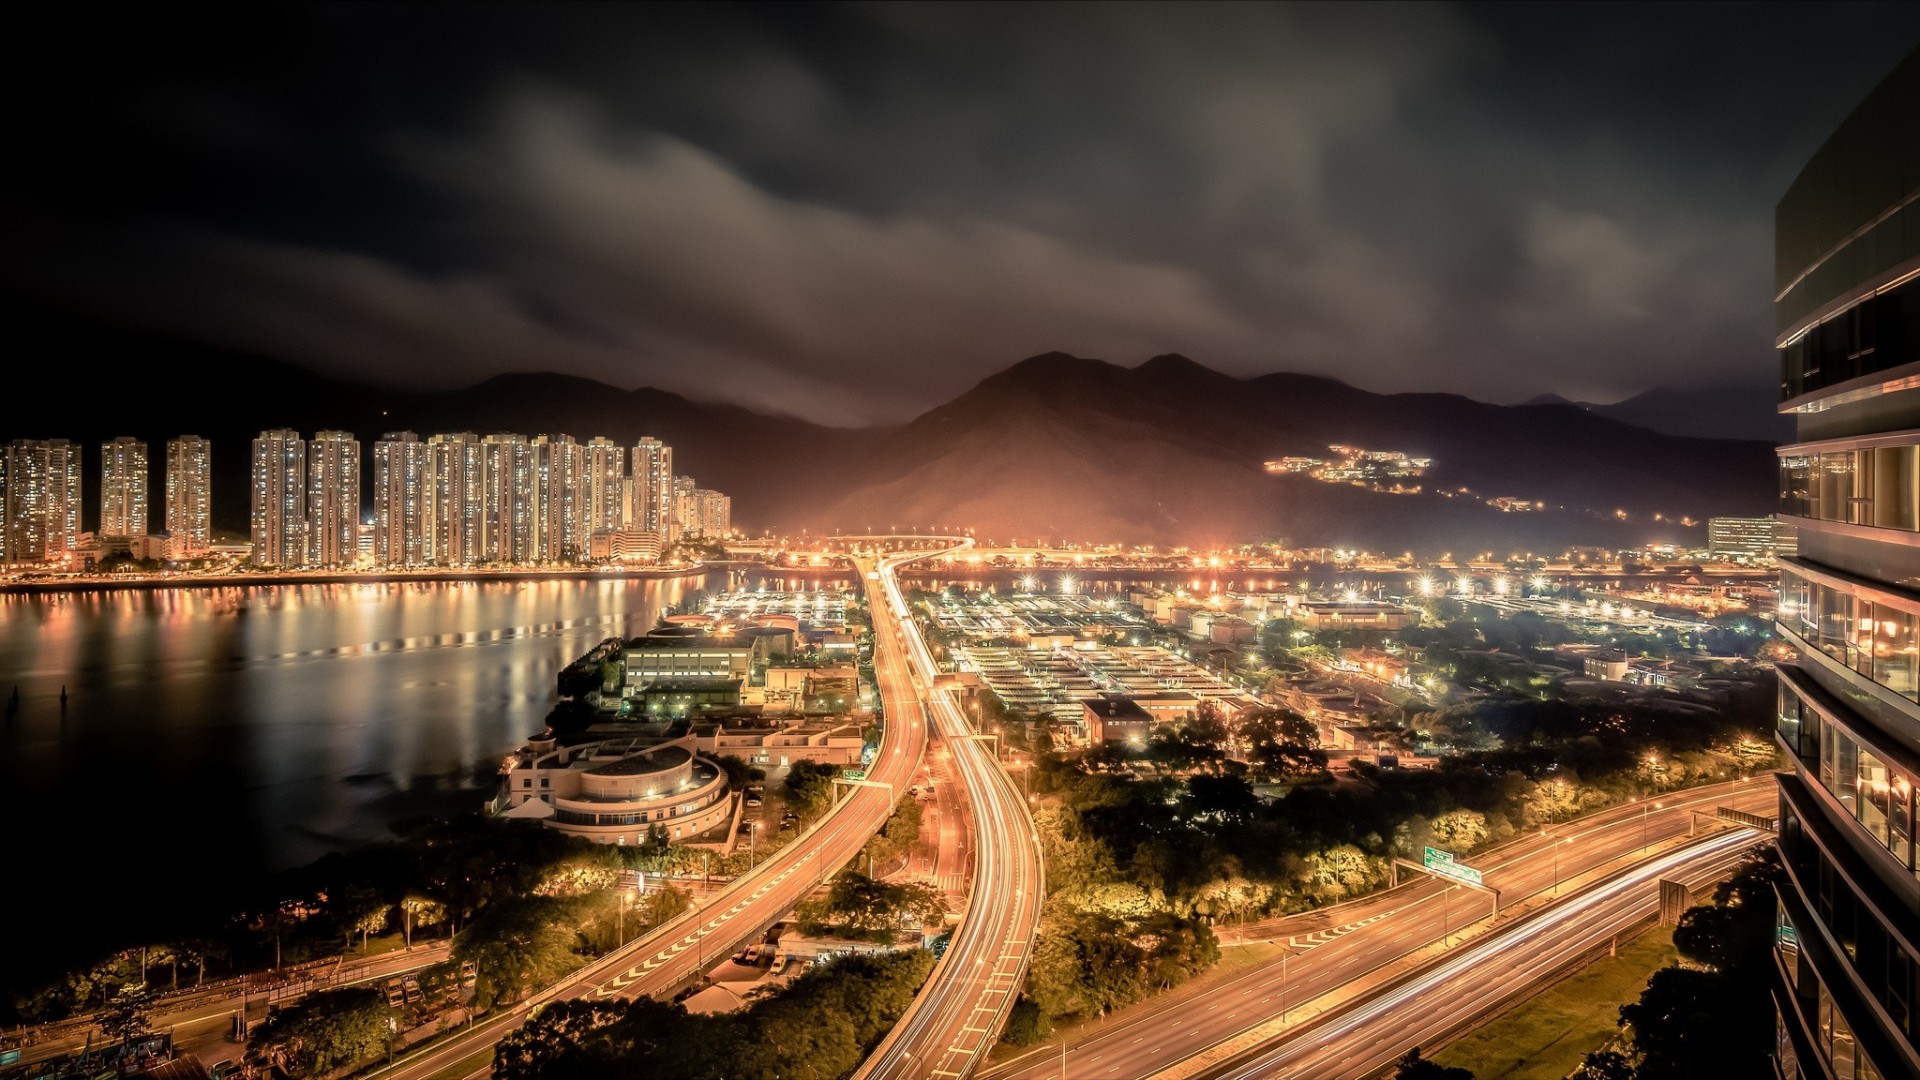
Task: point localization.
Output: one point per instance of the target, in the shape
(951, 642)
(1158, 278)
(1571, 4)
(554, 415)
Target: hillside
(1171, 451)
(1058, 446)
(1712, 412)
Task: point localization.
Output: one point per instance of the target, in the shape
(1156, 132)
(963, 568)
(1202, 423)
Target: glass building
(1847, 303)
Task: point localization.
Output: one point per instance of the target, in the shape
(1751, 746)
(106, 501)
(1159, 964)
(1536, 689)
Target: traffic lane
(598, 974)
(956, 1016)
(1375, 931)
(1484, 976)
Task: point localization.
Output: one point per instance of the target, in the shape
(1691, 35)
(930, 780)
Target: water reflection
(220, 731)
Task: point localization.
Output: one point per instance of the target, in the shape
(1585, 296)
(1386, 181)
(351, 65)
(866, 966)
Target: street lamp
(1286, 1000)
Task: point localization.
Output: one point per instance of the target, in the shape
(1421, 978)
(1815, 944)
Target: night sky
(852, 213)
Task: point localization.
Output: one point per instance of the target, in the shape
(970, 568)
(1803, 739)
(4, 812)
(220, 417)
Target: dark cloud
(852, 212)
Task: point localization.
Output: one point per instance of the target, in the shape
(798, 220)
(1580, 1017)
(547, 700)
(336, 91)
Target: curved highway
(677, 952)
(1480, 978)
(1332, 955)
(957, 1016)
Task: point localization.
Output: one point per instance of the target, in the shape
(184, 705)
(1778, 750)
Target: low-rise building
(1115, 718)
(624, 545)
(777, 745)
(685, 696)
(1609, 664)
(615, 791)
(1352, 615)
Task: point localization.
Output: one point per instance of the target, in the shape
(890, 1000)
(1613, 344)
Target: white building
(189, 496)
(40, 497)
(333, 499)
(123, 487)
(653, 486)
(402, 483)
(458, 499)
(615, 792)
(507, 518)
(559, 499)
(279, 499)
(606, 475)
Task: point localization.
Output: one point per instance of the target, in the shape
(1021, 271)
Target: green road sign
(853, 774)
(1441, 862)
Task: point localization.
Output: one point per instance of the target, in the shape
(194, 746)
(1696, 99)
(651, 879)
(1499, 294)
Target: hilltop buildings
(1847, 275)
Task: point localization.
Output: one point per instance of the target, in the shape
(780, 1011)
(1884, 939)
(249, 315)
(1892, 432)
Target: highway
(676, 953)
(957, 1016)
(1480, 978)
(1333, 954)
(199, 1020)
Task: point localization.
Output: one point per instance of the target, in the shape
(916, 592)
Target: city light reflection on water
(222, 731)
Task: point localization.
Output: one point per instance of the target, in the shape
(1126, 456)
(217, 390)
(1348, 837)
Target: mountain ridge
(1166, 451)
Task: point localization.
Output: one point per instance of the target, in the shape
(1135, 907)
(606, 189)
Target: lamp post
(1286, 991)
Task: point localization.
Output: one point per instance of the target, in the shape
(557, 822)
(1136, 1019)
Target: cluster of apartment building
(465, 500)
(41, 492)
(446, 500)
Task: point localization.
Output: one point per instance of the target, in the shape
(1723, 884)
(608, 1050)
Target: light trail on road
(1331, 951)
(678, 951)
(957, 1016)
(1481, 977)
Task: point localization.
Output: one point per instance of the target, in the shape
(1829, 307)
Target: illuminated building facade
(653, 488)
(40, 495)
(507, 491)
(1748, 539)
(333, 500)
(279, 499)
(685, 518)
(458, 505)
(123, 487)
(1847, 281)
(402, 503)
(615, 792)
(189, 496)
(606, 477)
(559, 499)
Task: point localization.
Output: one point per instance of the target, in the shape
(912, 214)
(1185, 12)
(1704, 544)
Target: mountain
(1166, 452)
(154, 388)
(1172, 451)
(1709, 412)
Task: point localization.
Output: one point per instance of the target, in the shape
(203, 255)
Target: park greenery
(1711, 1016)
(862, 908)
(1148, 846)
(821, 1026)
(490, 886)
(324, 1031)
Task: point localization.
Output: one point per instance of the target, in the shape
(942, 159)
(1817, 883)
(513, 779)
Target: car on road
(753, 800)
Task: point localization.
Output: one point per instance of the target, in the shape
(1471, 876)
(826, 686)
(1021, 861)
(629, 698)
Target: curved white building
(614, 792)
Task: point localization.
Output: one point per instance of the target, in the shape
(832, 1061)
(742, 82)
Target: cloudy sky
(852, 213)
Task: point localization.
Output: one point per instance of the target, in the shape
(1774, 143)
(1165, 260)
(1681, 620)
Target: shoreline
(372, 577)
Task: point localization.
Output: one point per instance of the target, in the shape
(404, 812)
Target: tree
(516, 945)
(557, 1029)
(1604, 1065)
(1027, 1023)
(810, 787)
(1412, 1066)
(324, 1031)
(1459, 830)
(1694, 1023)
(1282, 744)
(418, 910)
(1225, 797)
(126, 1015)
